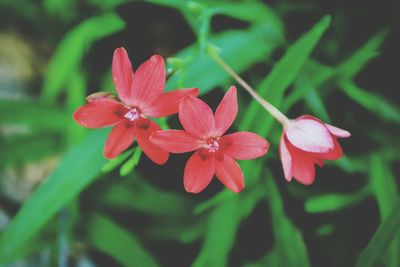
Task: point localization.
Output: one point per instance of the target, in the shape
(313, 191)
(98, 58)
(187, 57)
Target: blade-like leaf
(131, 163)
(70, 51)
(138, 195)
(30, 113)
(381, 240)
(353, 65)
(383, 187)
(374, 103)
(220, 235)
(333, 202)
(289, 242)
(230, 42)
(122, 245)
(285, 71)
(78, 168)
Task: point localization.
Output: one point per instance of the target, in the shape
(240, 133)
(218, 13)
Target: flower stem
(264, 103)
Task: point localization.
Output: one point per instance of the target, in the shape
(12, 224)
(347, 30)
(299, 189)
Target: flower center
(212, 145)
(132, 114)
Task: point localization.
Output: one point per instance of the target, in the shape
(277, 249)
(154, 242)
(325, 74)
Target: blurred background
(63, 204)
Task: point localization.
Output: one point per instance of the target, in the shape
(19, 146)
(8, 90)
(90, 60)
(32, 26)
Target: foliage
(213, 225)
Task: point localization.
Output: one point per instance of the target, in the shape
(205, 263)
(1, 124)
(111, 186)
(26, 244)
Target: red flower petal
(309, 135)
(120, 138)
(320, 162)
(337, 131)
(143, 129)
(196, 117)
(100, 112)
(303, 168)
(168, 103)
(122, 75)
(229, 173)
(244, 145)
(176, 141)
(226, 112)
(286, 159)
(199, 170)
(334, 154)
(148, 82)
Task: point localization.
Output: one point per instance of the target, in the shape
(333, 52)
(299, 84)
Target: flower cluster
(305, 140)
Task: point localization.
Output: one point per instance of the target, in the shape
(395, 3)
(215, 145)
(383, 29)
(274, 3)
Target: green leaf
(66, 9)
(334, 202)
(390, 228)
(136, 194)
(231, 42)
(372, 102)
(289, 242)
(220, 234)
(223, 224)
(384, 188)
(28, 148)
(75, 96)
(113, 163)
(79, 167)
(325, 230)
(353, 65)
(70, 51)
(122, 245)
(383, 184)
(312, 97)
(31, 114)
(254, 12)
(285, 71)
(130, 164)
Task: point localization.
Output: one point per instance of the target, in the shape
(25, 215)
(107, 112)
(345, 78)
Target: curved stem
(276, 113)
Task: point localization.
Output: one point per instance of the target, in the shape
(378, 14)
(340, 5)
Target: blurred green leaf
(66, 9)
(18, 150)
(71, 49)
(319, 73)
(220, 234)
(174, 230)
(285, 71)
(78, 168)
(131, 163)
(25, 8)
(122, 245)
(136, 194)
(230, 42)
(325, 230)
(312, 97)
(255, 12)
(383, 184)
(223, 224)
(76, 92)
(113, 163)
(205, 205)
(289, 242)
(374, 103)
(31, 113)
(372, 255)
(333, 202)
(353, 64)
(384, 188)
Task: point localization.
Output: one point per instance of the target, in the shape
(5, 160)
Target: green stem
(276, 113)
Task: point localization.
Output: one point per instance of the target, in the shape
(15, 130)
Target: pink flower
(215, 153)
(140, 96)
(305, 141)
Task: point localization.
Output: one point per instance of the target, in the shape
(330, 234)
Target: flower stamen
(132, 114)
(212, 145)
